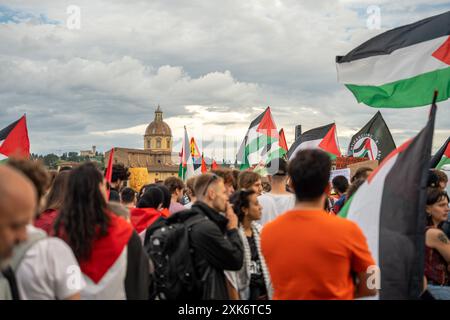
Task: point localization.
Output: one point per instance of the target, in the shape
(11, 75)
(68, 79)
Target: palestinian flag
(204, 168)
(401, 67)
(442, 157)
(324, 138)
(14, 140)
(260, 144)
(186, 168)
(373, 141)
(214, 165)
(390, 209)
(282, 142)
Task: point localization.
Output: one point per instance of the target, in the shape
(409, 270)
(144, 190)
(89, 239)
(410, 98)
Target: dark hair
(58, 191)
(239, 200)
(435, 195)
(226, 175)
(361, 173)
(83, 216)
(127, 195)
(190, 186)
(167, 196)
(235, 173)
(247, 178)
(433, 179)
(119, 172)
(35, 171)
(114, 195)
(174, 183)
(340, 184)
(141, 192)
(354, 187)
(153, 197)
(310, 172)
(65, 168)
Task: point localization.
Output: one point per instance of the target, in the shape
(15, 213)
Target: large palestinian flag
(390, 209)
(402, 67)
(261, 143)
(373, 141)
(324, 138)
(442, 157)
(14, 140)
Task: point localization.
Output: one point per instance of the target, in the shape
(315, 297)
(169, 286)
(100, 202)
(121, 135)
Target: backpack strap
(8, 285)
(21, 249)
(196, 218)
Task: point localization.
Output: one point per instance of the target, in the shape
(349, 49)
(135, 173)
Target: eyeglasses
(213, 178)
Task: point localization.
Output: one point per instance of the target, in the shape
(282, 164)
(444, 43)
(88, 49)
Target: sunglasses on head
(213, 178)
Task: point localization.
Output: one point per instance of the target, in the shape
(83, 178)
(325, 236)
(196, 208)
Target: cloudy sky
(211, 65)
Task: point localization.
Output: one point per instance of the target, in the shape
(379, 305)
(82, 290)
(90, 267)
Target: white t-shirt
(275, 204)
(48, 271)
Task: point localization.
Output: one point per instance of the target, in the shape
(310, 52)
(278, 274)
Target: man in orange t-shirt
(311, 254)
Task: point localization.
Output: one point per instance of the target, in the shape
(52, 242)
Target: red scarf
(142, 218)
(107, 249)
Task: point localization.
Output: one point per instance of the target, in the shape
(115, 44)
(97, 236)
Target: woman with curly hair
(252, 282)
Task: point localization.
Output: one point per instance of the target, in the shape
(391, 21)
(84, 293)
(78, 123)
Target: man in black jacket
(215, 242)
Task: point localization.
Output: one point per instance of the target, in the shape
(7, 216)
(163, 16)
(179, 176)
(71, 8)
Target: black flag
(373, 141)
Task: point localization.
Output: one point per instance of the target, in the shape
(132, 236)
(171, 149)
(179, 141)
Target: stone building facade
(156, 155)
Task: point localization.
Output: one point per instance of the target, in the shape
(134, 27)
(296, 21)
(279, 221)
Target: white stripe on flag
(311, 144)
(366, 205)
(401, 64)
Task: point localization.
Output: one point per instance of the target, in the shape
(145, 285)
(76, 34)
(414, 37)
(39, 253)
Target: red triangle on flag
(267, 126)
(214, 165)
(443, 52)
(329, 143)
(204, 167)
(109, 169)
(447, 151)
(282, 141)
(17, 143)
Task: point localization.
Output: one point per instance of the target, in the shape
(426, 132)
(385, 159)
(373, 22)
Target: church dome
(158, 127)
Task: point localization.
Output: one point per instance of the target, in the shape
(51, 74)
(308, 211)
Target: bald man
(18, 203)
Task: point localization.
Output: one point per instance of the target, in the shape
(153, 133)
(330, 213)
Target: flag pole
(337, 137)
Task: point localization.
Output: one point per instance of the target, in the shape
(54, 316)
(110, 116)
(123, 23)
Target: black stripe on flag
(438, 155)
(313, 134)
(7, 130)
(405, 36)
(403, 219)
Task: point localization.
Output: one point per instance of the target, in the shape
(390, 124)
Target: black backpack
(174, 275)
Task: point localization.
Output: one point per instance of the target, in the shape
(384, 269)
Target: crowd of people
(225, 234)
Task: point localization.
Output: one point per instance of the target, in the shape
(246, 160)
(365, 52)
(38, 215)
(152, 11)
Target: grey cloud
(131, 55)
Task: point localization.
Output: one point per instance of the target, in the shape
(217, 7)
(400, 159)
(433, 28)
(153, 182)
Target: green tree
(51, 160)
(73, 156)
